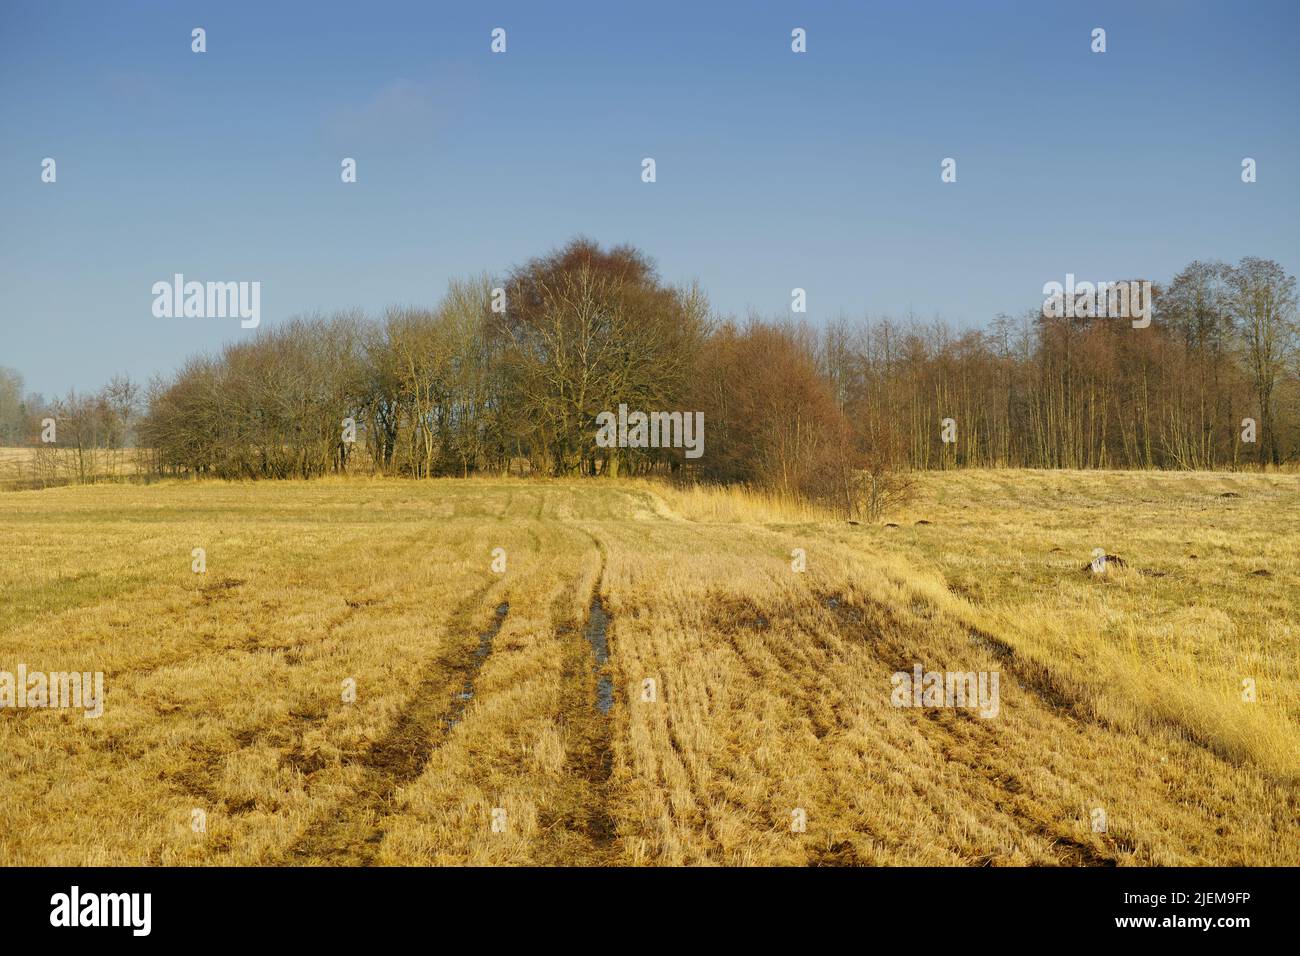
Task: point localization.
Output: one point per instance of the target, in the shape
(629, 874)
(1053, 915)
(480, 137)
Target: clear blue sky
(775, 170)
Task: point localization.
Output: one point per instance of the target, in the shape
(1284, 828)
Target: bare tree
(1264, 303)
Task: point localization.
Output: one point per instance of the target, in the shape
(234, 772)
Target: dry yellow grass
(475, 737)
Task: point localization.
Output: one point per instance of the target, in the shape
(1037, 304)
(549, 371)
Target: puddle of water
(485, 639)
(480, 654)
(597, 623)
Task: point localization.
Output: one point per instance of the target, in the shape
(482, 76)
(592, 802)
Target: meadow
(623, 672)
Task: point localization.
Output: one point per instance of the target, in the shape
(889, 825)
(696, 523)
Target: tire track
(352, 833)
(1048, 689)
(578, 827)
(598, 637)
(962, 737)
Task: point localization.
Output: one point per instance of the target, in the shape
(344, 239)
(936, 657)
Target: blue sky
(775, 170)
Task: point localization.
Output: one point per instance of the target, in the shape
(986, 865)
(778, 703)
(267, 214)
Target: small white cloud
(403, 111)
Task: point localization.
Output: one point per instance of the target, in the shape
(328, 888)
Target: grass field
(484, 731)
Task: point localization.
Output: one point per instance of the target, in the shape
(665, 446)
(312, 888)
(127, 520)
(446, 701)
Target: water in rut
(480, 654)
(597, 623)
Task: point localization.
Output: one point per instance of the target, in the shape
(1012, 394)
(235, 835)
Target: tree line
(1213, 382)
(509, 375)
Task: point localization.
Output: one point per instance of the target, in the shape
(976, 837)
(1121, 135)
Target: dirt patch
(1114, 559)
(215, 589)
(842, 853)
(727, 612)
(1070, 852)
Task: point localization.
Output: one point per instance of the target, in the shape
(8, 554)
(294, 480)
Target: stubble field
(649, 680)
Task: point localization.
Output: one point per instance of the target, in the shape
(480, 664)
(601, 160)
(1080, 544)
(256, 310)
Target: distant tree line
(94, 433)
(510, 375)
(1091, 392)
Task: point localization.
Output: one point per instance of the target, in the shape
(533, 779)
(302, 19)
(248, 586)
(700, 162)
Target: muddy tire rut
(578, 827)
(351, 834)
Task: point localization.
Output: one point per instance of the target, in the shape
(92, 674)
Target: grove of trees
(510, 374)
